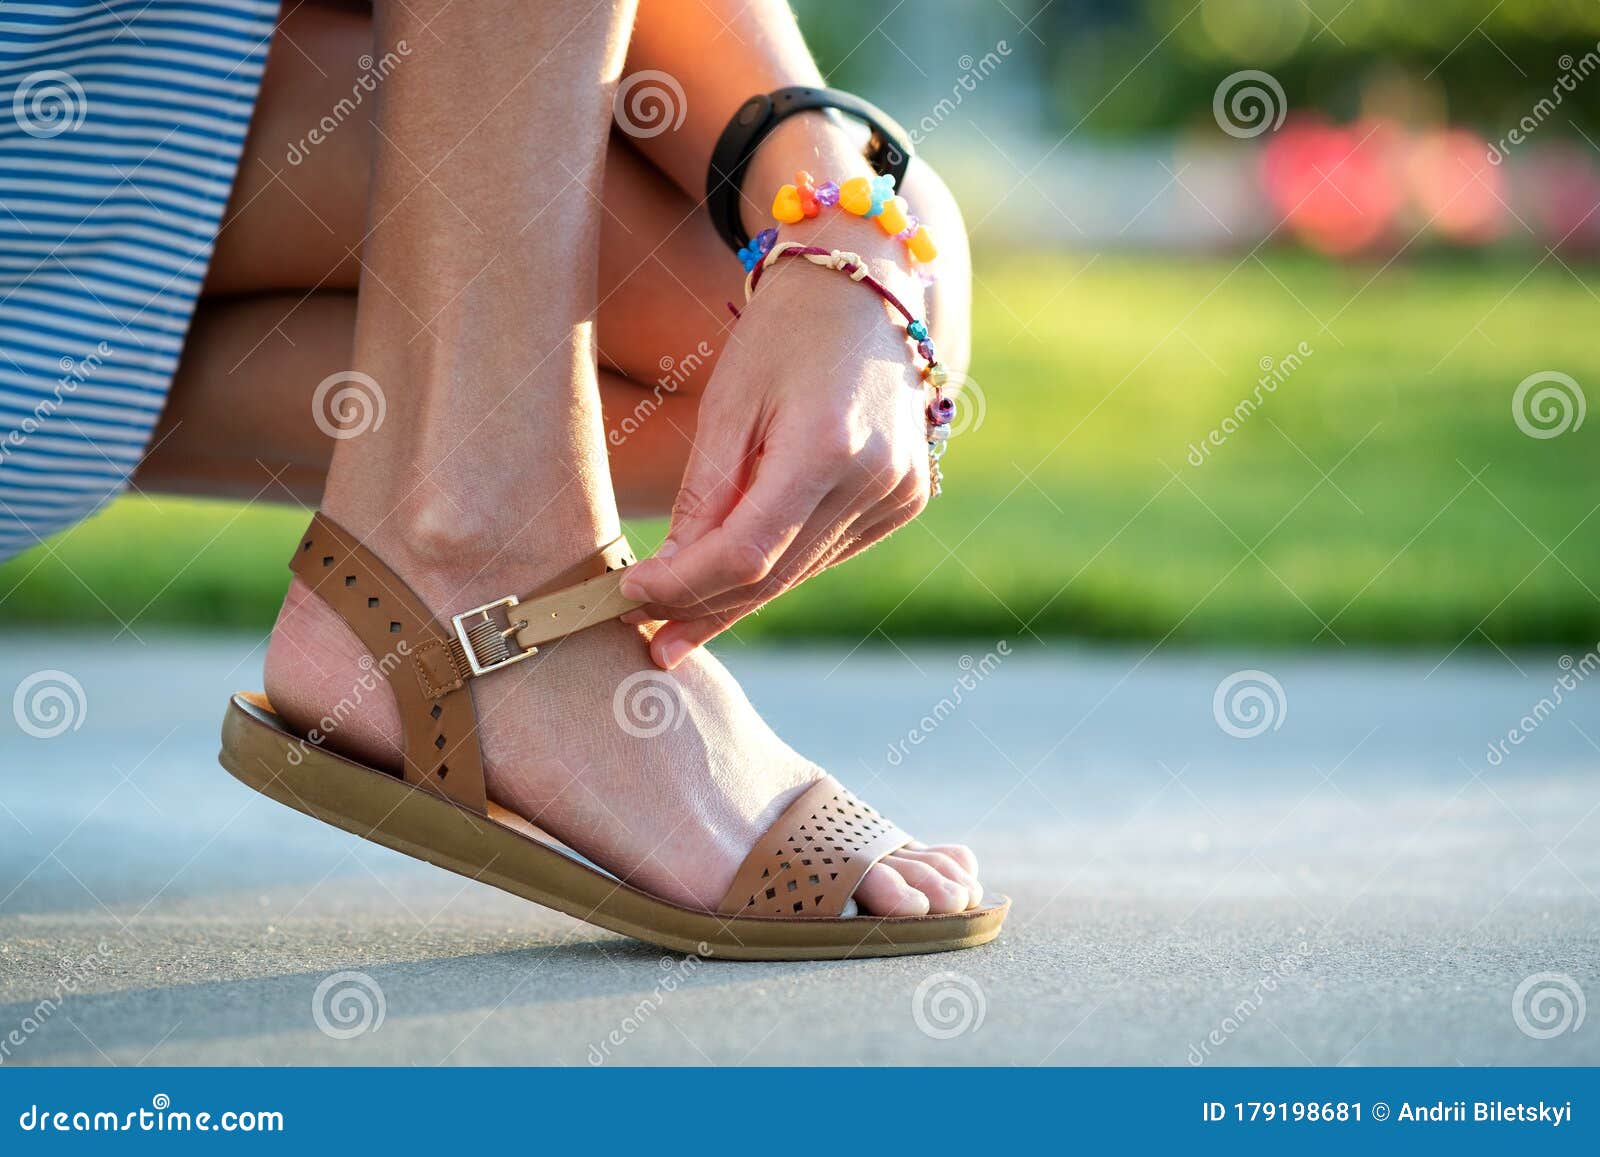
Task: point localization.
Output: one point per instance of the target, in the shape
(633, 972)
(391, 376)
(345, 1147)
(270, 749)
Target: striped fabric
(121, 126)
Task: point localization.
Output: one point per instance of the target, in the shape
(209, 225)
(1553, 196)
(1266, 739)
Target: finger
(818, 539)
(694, 627)
(719, 462)
(687, 630)
(674, 642)
(746, 546)
(908, 501)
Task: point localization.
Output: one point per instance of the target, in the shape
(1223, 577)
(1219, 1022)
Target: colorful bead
(942, 410)
(882, 188)
(855, 196)
(938, 434)
(937, 376)
(918, 330)
(922, 246)
(808, 194)
(760, 245)
(892, 218)
(828, 194)
(786, 205)
(925, 348)
(912, 225)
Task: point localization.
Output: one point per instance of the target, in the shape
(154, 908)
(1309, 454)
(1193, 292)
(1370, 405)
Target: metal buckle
(463, 635)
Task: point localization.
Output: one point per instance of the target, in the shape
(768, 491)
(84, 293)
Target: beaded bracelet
(872, 197)
(941, 409)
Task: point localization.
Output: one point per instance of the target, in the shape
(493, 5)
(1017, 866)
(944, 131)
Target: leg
(661, 321)
(489, 473)
(239, 412)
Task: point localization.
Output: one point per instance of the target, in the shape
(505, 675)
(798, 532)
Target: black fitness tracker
(888, 150)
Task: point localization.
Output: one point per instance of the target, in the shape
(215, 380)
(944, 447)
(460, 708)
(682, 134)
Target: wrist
(812, 140)
(815, 143)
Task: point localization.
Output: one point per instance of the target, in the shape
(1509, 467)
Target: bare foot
(666, 780)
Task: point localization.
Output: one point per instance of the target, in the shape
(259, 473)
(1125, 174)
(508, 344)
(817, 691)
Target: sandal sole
(260, 752)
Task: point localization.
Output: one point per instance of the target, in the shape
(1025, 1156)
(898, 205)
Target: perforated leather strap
(427, 663)
(814, 857)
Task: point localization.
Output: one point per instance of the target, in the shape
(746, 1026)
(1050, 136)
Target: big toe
(944, 894)
(940, 860)
(883, 891)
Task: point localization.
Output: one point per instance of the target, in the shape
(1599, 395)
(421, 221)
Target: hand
(811, 446)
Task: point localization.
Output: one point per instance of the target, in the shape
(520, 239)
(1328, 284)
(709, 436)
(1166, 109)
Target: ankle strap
(427, 663)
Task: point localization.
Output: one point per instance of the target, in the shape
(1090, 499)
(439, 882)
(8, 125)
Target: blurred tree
(1109, 68)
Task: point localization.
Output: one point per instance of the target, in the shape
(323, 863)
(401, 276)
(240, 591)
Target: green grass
(1072, 510)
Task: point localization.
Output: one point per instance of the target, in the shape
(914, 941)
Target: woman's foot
(667, 780)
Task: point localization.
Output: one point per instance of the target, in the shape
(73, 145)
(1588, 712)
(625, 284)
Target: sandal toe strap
(810, 862)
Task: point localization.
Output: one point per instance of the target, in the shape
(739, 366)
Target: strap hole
(372, 603)
(394, 627)
(439, 743)
(327, 560)
(349, 580)
(437, 711)
(444, 770)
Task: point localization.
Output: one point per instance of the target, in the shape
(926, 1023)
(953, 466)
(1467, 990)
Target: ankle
(456, 554)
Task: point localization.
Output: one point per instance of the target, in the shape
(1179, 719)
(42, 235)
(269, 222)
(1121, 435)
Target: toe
(960, 853)
(884, 892)
(948, 867)
(944, 894)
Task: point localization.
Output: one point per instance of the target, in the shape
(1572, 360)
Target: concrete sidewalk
(1359, 885)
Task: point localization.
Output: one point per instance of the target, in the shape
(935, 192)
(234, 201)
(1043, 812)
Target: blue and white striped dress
(121, 127)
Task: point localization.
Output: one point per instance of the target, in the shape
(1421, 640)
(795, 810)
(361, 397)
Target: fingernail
(635, 618)
(670, 654)
(631, 587)
(668, 549)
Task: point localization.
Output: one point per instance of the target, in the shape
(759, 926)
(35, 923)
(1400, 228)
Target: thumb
(713, 482)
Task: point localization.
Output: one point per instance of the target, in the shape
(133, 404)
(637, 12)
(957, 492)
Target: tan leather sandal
(787, 902)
